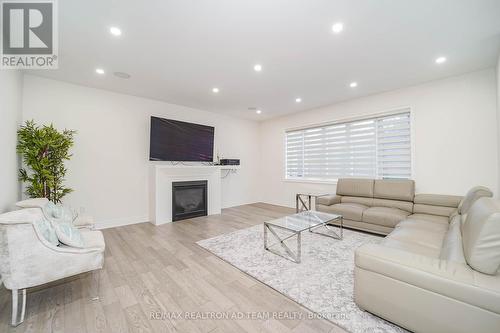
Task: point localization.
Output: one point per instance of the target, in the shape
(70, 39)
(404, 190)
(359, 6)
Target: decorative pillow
(58, 213)
(48, 232)
(69, 235)
(33, 203)
(48, 209)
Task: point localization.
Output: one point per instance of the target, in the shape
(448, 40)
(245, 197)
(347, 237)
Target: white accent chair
(27, 259)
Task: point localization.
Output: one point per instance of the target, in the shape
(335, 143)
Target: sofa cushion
(438, 200)
(433, 210)
(430, 218)
(404, 205)
(415, 248)
(395, 189)
(358, 200)
(355, 187)
(424, 237)
(472, 195)
(386, 216)
(424, 225)
(328, 200)
(481, 236)
(350, 211)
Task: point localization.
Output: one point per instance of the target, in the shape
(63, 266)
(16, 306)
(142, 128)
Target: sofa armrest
(450, 279)
(328, 200)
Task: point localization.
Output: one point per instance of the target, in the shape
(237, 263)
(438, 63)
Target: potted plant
(44, 150)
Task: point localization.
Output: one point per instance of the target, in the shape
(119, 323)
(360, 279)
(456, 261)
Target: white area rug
(322, 282)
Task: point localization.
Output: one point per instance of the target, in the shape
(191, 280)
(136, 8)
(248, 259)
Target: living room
(376, 125)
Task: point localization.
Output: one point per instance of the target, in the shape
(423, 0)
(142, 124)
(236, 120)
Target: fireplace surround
(162, 176)
(189, 199)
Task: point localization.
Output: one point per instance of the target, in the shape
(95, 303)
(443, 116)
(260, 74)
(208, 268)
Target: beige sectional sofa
(438, 269)
(379, 205)
(428, 276)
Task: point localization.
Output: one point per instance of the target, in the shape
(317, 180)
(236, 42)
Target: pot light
(440, 60)
(99, 71)
(338, 27)
(115, 31)
(215, 90)
(353, 84)
(258, 111)
(122, 75)
(298, 100)
(257, 67)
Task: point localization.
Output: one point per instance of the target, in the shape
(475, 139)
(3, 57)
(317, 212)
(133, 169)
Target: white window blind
(373, 148)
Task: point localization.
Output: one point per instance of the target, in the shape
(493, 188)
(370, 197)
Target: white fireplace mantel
(161, 178)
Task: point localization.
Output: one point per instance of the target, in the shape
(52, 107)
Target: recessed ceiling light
(122, 75)
(115, 31)
(257, 68)
(298, 100)
(99, 71)
(258, 111)
(441, 60)
(215, 90)
(353, 84)
(338, 27)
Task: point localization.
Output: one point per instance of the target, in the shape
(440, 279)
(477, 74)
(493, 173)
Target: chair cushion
(430, 218)
(395, 189)
(481, 236)
(385, 216)
(355, 187)
(472, 195)
(93, 239)
(349, 211)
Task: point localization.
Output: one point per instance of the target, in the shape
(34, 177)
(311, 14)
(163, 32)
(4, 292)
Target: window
(372, 148)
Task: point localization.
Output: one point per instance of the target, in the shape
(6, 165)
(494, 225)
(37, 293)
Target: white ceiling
(177, 51)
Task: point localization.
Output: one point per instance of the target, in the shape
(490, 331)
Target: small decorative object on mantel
(43, 150)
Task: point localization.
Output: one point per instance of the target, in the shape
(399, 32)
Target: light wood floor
(161, 270)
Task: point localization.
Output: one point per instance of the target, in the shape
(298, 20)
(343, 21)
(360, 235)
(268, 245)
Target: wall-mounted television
(173, 140)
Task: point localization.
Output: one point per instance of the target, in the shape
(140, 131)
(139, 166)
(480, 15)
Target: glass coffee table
(293, 225)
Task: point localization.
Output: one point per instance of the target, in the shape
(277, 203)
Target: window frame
(368, 116)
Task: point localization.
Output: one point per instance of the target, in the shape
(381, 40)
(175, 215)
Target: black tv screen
(173, 140)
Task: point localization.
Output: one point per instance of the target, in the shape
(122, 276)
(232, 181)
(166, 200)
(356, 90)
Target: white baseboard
(119, 222)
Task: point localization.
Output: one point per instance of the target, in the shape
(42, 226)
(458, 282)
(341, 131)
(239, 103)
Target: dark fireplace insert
(189, 199)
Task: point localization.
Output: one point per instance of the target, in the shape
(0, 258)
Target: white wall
(498, 116)
(455, 136)
(10, 117)
(109, 169)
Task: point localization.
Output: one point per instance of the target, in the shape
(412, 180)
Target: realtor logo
(29, 39)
